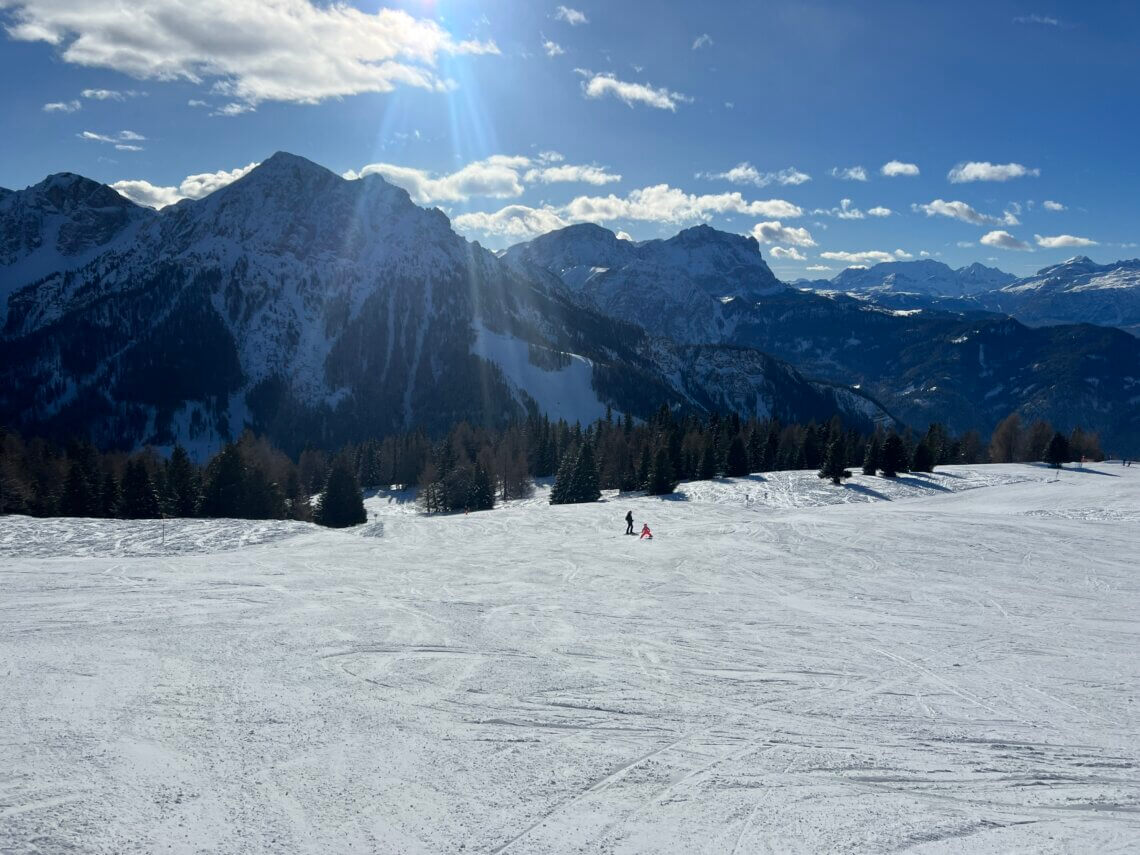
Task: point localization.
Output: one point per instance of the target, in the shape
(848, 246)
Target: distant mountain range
(1074, 291)
(927, 341)
(319, 310)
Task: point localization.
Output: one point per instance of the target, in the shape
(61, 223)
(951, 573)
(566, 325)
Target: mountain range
(318, 310)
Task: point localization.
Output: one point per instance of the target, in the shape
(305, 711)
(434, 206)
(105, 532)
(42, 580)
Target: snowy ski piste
(942, 663)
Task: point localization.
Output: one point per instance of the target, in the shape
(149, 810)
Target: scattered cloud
(514, 221)
(552, 48)
(234, 108)
(110, 94)
(62, 106)
(790, 253)
(847, 211)
(965, 244)
(291, 50)
(961, 211)
(1058, 241)
(128, 147)
(851, 173)
(986, 171)
(192, 187)
(816, 268)
(130, 135)
(1045, 20)
(571, 16)
(879, 211)
(499, 176)
(865, 258)
(596, 175)
(704, 40)
(194, 102)
(664, 204)
(777, 232)
(1003, 240)
(625, 236)
(895, 168)
(746, 173)
(729, 105)
(600, 85)
(1050, 205)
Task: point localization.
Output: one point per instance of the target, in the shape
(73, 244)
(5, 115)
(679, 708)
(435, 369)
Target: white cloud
(88, 135)
(130, 135)
(986, 171)
(895, 168)
(851, 173)
(1045, 20)
(777, 232)
(1050, 205)
(961, 211)
(249, 50)
(600, 85)
(234, 108)
(62, 107)
(110, 94)
(965, 244)
(625, 236)
(879, 211)
(664, 204)
(702, 41)
(902, 253)
(128, 147)
(552, 49)
(596, 175)
(513, 221)
(499, 177)
(924, 253)
(571, 16)
(746, 173)
(1057, 241)
(194, 102)
(496, 176)
(865, 258)
(818, 267)
(790, 253)
(1004, 240)
(192, 187)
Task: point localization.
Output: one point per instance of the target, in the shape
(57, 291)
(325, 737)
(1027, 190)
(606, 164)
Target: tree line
(470, 468)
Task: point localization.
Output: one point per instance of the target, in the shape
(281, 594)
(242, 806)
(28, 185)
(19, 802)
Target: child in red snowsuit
(645, 532)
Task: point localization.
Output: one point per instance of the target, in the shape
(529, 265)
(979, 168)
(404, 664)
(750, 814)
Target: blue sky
(518, 117)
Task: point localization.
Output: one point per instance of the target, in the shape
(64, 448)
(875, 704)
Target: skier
(645, 532)
(629, 522)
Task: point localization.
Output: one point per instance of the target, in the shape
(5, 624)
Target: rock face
(929, 342)
(319, 310)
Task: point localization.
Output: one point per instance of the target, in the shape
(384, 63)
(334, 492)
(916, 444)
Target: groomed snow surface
(947, 663)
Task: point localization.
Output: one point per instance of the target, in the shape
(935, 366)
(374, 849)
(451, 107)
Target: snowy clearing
(939, 664)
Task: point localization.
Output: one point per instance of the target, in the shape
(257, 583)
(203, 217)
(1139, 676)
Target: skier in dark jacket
(629, 522)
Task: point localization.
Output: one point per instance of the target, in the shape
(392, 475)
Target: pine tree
(482, 489)
(562, 492)
(834, 461)
(183, 484)
(893, 460)
(707, 469)
(110, 497)
(586, 485)
(661, 481)
(1058, 452)
(140, 499)
(737, 461)
(78, 498)
(871, 455)
(923, 458)
(224, 495)
(341, 504)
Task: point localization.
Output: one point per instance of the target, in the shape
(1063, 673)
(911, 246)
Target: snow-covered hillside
(933, 664)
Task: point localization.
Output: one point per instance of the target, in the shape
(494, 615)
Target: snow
(567, 393)
(932, 664)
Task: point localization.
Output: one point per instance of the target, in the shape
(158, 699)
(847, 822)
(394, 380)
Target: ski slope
(944, 663)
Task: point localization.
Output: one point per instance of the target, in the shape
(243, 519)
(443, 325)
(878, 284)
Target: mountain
(968, 367)
(925, 277)
(319, 310)
(1074, 291)
(685, 284)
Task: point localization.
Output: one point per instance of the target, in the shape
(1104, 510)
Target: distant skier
(629, 522)
(645, 532)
